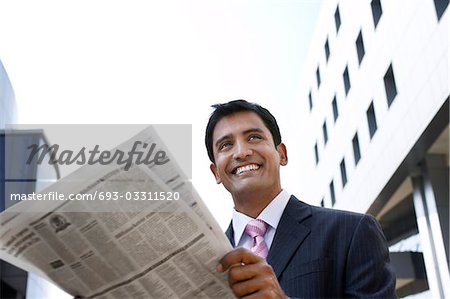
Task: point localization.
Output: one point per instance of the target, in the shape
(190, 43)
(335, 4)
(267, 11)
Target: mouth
(245, 168)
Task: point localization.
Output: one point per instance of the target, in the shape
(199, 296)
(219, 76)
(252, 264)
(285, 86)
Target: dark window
(325, 132)
(389, 85)
(332, 195)
(343, 173)
(377, 11)
(322, 203)
(346, 80)
(318, 76)
(441, 6)
(327, 50)
(360, 47)
(3, 200)
(316, 153)
(18, 276)
(335, 109)
(356, 150)
(371, 120)
(337, 19)
(310, 101)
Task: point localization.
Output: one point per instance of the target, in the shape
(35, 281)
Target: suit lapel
(289, 235)
(230, 233)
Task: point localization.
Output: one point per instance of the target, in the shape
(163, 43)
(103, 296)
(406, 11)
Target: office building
(375, 100)
(16, 176)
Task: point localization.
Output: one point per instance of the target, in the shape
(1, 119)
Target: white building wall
(37, 287)
(410, 37)
(8, 114)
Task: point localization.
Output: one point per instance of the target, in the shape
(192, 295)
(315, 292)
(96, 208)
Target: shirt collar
(271, 215)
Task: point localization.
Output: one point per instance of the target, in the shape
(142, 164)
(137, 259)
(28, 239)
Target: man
(293, 249)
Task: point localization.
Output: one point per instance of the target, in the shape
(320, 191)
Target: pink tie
(256, 229)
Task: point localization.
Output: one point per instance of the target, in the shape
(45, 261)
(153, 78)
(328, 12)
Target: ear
(215, 173)
(281, 148)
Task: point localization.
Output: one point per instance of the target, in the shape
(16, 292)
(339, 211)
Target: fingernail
(219, 268)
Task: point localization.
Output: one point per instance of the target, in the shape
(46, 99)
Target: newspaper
(120, 247)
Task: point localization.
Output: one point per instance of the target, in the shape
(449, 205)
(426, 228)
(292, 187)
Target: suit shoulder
(326, 217)
(331, 215)
(322, 211)
(338, 213)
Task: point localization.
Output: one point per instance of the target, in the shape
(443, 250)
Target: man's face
(246, 159)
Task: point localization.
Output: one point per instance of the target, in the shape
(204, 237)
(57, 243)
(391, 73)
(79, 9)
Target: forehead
(238, 123)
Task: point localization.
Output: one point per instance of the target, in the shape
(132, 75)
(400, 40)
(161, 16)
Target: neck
(253, 203)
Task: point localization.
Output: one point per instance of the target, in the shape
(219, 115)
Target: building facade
(19, 177)
(8, 110)
(375, 94)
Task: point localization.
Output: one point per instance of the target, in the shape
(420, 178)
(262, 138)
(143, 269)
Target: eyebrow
(251, 130)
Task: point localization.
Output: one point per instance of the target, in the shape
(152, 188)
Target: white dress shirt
(271, 215)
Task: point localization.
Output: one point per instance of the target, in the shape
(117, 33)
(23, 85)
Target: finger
(219, 267)
(243, 289)
(264, 294)
(241, 273)
(238, 256)
(247, 272)
(257, 285)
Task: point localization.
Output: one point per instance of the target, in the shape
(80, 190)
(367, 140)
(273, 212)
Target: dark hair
(222, 110)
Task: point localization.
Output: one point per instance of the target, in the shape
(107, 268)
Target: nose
(242, 150)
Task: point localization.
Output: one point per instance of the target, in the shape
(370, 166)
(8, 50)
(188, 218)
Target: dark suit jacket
(324, 253)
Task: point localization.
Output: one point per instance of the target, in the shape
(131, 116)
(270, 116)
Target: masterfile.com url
(53, 195)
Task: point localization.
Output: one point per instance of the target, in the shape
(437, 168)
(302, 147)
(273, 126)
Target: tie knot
(256, 227)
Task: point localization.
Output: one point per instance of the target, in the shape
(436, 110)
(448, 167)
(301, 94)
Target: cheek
(221, 166)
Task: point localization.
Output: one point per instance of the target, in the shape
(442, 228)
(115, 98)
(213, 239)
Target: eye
(254, 137)
(224, 145)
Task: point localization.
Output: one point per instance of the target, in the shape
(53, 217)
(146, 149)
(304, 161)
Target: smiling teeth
(246, 168)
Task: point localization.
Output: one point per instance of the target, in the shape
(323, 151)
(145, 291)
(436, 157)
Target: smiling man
(284, 247)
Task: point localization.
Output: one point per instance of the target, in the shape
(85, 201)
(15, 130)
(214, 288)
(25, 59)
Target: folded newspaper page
(120, 230)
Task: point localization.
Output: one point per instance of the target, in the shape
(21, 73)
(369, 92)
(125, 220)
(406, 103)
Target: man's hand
(249, 275)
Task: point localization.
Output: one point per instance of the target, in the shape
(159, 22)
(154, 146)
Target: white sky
(144, 62)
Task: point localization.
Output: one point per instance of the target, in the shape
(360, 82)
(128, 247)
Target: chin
(245, 189)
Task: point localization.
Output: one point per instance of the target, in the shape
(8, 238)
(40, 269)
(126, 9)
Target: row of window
(389, 82)
(391, 93)
(390, 89)
(376, 13)
(372, 126)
